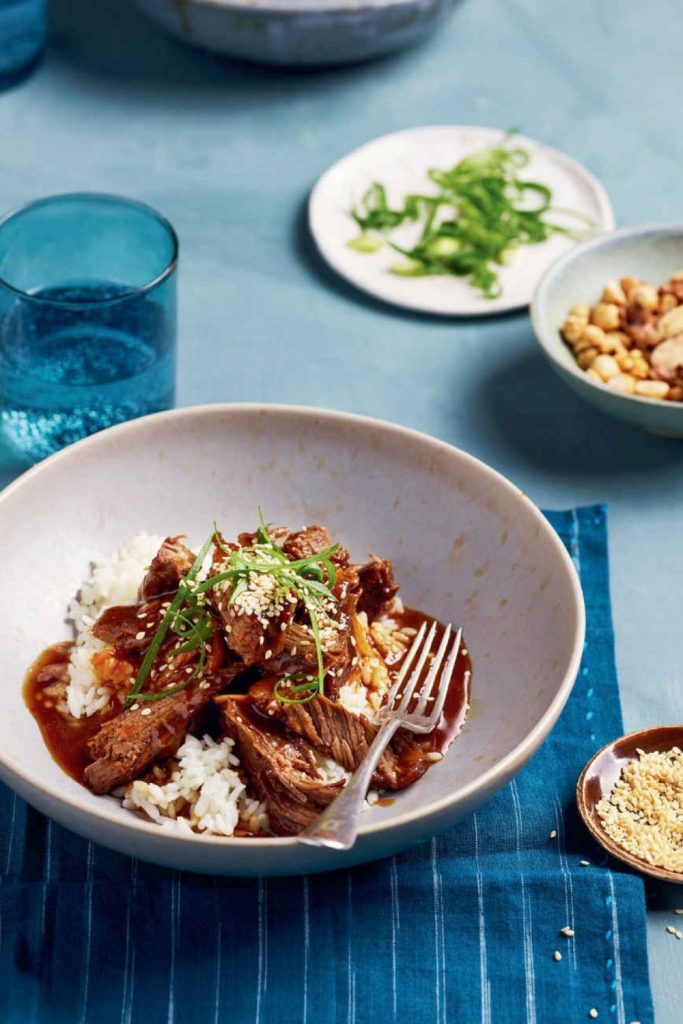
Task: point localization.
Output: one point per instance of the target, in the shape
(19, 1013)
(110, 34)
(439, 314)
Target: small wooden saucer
(599, 777)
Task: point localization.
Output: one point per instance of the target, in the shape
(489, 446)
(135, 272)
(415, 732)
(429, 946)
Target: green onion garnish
(482, 212)
(309, 579)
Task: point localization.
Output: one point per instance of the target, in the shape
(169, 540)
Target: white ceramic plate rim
(516, 756)
(543, 330)
(302, 6)
(328, 249)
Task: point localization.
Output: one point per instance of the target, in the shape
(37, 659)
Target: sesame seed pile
(644, 811)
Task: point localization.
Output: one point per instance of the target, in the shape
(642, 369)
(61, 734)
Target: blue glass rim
(109, 197)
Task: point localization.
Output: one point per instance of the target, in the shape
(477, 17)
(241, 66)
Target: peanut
(652, 388)
(606, 366)
(622, 382)
(586, 358)
(606, 315)
(671, 323)
(572, 329)
(613, 292)
(667, 302)
(645, 296)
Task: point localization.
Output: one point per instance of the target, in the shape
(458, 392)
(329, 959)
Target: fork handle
(337, 826)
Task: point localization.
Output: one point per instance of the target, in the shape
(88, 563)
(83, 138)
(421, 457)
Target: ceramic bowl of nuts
(609, 317)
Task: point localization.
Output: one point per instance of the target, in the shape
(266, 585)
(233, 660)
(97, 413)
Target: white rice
(205, 787)
(114, 580)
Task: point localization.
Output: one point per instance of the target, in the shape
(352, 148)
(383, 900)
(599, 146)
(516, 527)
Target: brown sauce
(458, 697)
(67, 738)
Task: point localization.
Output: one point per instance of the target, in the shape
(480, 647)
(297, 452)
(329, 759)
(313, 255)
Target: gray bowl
(652, 252)
(299, 32)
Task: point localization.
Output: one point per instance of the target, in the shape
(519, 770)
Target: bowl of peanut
(609, 317)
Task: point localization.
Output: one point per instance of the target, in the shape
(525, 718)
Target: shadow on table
(535, 415)
(111, 42)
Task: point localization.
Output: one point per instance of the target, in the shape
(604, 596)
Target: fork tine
(426, 690)
(415, 676)
(407, 662)
(445, 682)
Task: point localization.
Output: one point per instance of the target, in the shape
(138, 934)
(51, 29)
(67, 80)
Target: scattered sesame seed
(134, 707)
(204, 685)
(593, 1013)
(585, 863)
(293, 651)
(189, 670)
(553, 834)
(141, 615)
(354, 661)
(674, 931)
(678, 910)
(267, 655)
(434, 755)
(567, 931)
(146, 711)
(261, 640)
(140, 635)
(149, 625)
(557, 955)
(283, 627)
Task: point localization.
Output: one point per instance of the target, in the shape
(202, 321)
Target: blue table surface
(229, 153)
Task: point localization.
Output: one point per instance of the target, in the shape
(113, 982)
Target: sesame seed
(293, 651)
(283, 627)
(140, 636)
(593, 1013)
(261, 640)
(267, 655)
(678, 910)
(146, 711)
(553, 834)
(567, 931)
(189, 670)
(149, 625)
(134, 707)
(354, 661)
(557, 955)
(585, 863)
(434, 755)
(204, 685)
(674, 931)
(141, 615)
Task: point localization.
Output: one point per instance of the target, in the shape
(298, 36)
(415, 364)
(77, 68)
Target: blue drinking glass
(23, 26)
(87, 318)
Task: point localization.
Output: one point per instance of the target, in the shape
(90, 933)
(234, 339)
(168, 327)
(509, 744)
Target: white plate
(401, 161)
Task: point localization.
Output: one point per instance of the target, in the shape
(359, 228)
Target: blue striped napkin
(463, 928)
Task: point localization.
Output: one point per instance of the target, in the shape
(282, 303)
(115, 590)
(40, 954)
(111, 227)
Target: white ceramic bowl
(652, 252)
(299, 32)
(467, 546)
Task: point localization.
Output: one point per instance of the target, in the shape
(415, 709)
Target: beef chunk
(311, 541)
(281, 769)
(128, 744)
(378, 587)
(332, 730)
(172, 561)
(121, 625)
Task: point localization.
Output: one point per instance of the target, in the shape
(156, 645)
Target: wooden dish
(601, 774)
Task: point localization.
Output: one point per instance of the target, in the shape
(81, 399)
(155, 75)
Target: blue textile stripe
(461, 929)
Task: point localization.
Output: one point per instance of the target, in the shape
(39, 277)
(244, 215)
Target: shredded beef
(345, 737)
(128, 744)
(378, 587)
(281, 769)
(172, 561)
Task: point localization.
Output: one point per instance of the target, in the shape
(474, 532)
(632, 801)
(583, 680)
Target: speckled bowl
(299, 32)
(652, 252)
(467, 546)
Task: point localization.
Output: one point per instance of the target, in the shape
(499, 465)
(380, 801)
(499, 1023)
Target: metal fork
(337, 826)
